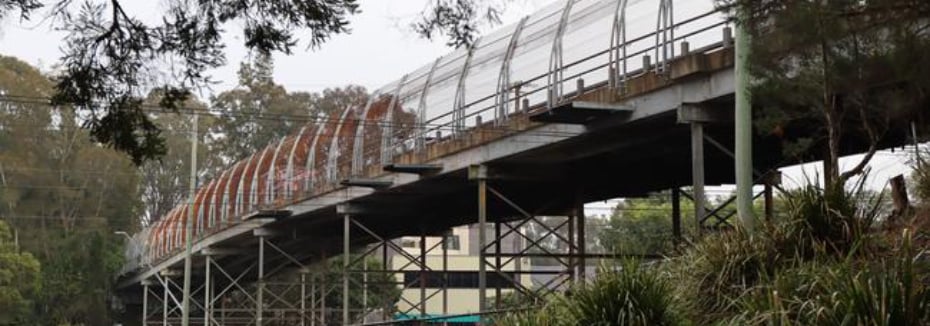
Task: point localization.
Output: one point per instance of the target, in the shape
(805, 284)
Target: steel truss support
(358, 274)
(165, 309)
(559, 239)
(276, 296)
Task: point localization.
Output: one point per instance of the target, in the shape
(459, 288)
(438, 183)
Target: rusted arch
(229, 199)
(340, 158)
(216, 201)
(297, 173)
(277, 175)
(257, 187)
(245, 185)
(319, 151)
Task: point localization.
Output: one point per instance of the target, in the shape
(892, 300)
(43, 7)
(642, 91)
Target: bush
(632, 295)
(880, 292)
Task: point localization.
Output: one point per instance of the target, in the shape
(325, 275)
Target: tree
(165, 182)
(857, 68)
(19, 280)
(113, 58)
(65, 196)
(259, 111)
(641, 226)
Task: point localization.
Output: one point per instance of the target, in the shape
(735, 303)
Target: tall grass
(881, 292)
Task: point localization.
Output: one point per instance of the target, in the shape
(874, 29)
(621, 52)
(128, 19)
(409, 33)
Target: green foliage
(920, 176)
(887, 291)
(20, 283)
(65, 197)
(642, 226)
(837, 76)
(630, 295)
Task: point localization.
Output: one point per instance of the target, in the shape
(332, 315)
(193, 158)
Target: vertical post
(323, 290)
(697, 173)
(743, 121)
(207, 291)
(346, 249)
(164, 306)
(145, 303)
(313, 308)
(498, 269)
(422, 274)
(303, 297)
(676, 214)
(571, 247)
(188, 229)
(445, 274)
(769, 201)
(259, 298)
(482, 240)
(580, 219)
(364, 286)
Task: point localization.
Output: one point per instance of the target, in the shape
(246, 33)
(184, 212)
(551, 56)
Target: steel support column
(259, 298)
(582, 240)
(482, 241)
(346, 250)
(207, 292)
(697, 173)
(676, 214)
(145, 302)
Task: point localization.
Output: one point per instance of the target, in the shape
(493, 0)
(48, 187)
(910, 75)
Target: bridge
(584, 100)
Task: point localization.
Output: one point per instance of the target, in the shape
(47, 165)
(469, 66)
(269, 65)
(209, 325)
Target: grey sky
(380, 49)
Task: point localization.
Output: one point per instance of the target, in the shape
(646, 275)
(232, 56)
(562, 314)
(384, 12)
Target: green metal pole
(188, 229)
(743, 122)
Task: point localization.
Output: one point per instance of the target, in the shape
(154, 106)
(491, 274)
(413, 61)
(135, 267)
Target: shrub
(845, 292)
(631, 295)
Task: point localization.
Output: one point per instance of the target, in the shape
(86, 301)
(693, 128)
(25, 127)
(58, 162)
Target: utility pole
(743, 122)
(188, 229)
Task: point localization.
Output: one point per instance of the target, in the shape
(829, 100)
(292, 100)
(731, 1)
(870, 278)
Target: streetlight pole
(188, 229)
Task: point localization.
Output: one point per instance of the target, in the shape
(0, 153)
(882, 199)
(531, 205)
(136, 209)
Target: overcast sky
(380, 49)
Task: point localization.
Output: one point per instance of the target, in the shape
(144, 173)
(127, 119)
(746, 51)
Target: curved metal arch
(555, 58)
(269, 180)
(458, 105)
(420, 139)
(203, 210)
(618, 53)
(253, 188)
(332, 160)
(289, 172)
(240, 191)
(213, 201)
(503, 79)
(357, 150)
(311, 155)
(665, 27)
(227, 195)
(201, 193)
(387, 140)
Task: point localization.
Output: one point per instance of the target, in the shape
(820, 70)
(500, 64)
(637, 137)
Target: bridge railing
(534, 63)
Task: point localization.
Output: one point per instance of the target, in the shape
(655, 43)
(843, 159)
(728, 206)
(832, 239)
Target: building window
(409, 243)
(451, 242)
(461, 279)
